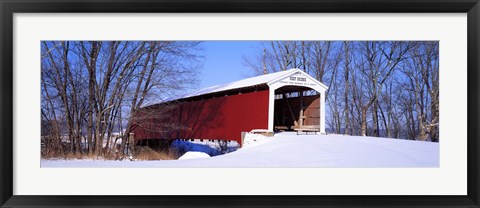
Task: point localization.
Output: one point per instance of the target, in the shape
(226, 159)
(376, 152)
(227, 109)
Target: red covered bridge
(284, 100)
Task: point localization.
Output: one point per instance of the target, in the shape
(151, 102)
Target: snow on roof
(253, 81)
(258, 80)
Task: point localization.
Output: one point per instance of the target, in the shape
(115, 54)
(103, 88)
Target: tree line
(89, 89)
(376, 88)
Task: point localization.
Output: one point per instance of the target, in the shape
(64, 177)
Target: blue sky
(224, 62)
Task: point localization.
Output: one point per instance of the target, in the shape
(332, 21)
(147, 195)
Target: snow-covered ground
(193, 155)
(289, 150)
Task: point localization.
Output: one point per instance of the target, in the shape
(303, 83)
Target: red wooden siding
(222, 118)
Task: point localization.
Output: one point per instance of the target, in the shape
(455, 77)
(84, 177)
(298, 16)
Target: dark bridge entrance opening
(296, 108)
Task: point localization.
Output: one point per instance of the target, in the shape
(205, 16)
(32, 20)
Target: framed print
(246, 104)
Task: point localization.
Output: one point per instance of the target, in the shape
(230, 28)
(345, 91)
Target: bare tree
(380, 59)
(121, 76)
(422, 73)
(378, 88)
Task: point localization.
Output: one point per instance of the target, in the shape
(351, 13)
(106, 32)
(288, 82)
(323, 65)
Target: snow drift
(193, 155)
(288, 150)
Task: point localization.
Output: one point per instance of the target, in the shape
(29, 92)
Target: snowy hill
(288, 150)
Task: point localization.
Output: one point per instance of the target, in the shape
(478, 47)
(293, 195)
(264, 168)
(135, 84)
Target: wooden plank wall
(311, 111)
(219, 118)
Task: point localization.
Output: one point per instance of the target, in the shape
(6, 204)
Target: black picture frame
(9, 7)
